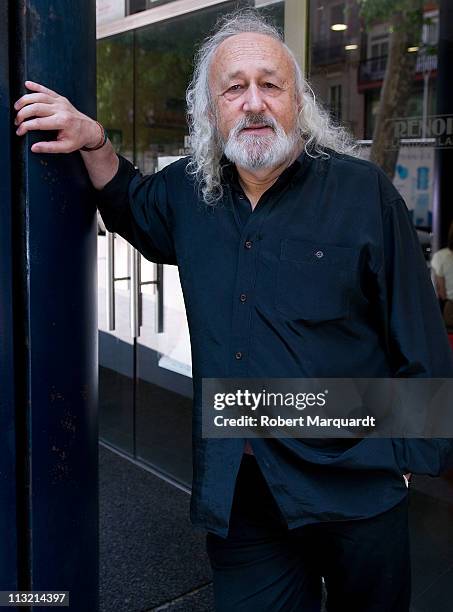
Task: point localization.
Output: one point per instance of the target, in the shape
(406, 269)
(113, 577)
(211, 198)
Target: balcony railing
(373, 69)
(322, 53)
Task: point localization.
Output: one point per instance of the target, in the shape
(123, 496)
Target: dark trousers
(262, 566)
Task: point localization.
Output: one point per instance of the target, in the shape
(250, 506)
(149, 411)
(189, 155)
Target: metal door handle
(110, 280)
(158, 282)
(160, 298)
(135, 292)
(135, 305)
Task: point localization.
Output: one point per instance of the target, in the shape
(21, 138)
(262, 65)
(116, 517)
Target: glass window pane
(163, 67)
(115, 91)
(136, 6)
(116, 348)
(349, 65)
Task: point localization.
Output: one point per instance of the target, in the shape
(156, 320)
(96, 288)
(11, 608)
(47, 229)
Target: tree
(405, 18)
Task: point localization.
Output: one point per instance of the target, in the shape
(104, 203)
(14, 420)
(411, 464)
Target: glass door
(164, 382)
(116, 345)
(163, 66)
(116, 340)
(144, 349)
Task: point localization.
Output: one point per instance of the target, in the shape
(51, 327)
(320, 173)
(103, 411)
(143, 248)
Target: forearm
(101, 165)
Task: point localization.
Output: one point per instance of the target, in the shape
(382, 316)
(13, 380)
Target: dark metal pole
(8, 508)
(53, 252)
(443, 186)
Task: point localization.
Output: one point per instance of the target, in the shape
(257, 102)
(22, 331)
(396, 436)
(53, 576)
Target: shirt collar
(231, 177)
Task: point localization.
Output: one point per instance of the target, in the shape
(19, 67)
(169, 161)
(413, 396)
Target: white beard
(252, 151)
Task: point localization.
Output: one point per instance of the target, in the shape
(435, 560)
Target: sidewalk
(153, 560)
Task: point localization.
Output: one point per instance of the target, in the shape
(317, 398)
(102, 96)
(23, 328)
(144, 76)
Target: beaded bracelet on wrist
(101, 142)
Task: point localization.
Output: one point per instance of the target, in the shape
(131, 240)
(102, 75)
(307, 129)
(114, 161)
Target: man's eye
(235, 87)
(269, 85)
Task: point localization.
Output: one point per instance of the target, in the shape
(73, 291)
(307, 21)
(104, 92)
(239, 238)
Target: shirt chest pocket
(314, 280)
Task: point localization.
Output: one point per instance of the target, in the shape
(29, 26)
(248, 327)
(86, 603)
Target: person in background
(442, 265)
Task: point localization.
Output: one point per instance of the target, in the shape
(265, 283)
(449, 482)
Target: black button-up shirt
(324, 278)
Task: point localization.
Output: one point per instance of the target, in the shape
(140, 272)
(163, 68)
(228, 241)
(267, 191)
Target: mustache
(251, 120)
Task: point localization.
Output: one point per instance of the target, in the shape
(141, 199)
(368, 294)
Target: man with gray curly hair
(296, 259)
(304, 122)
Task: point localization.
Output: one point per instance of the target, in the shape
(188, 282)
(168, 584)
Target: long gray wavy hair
(315, 124)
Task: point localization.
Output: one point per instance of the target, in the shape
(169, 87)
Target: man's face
(252, 85)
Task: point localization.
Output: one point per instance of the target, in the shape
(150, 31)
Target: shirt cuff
(126, 171)
(113, 198)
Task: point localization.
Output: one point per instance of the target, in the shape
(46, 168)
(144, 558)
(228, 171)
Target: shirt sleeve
(436, 264)
(416, 337)
(135, 206)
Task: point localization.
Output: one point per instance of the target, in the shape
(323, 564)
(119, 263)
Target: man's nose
(254, 100)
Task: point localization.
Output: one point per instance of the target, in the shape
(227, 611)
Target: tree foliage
(406, 20)
(383, 10)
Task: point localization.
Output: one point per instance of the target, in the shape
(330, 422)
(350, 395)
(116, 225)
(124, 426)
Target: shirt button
(243, 297)
(238, 355)
(319, 254)
(248, 244)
